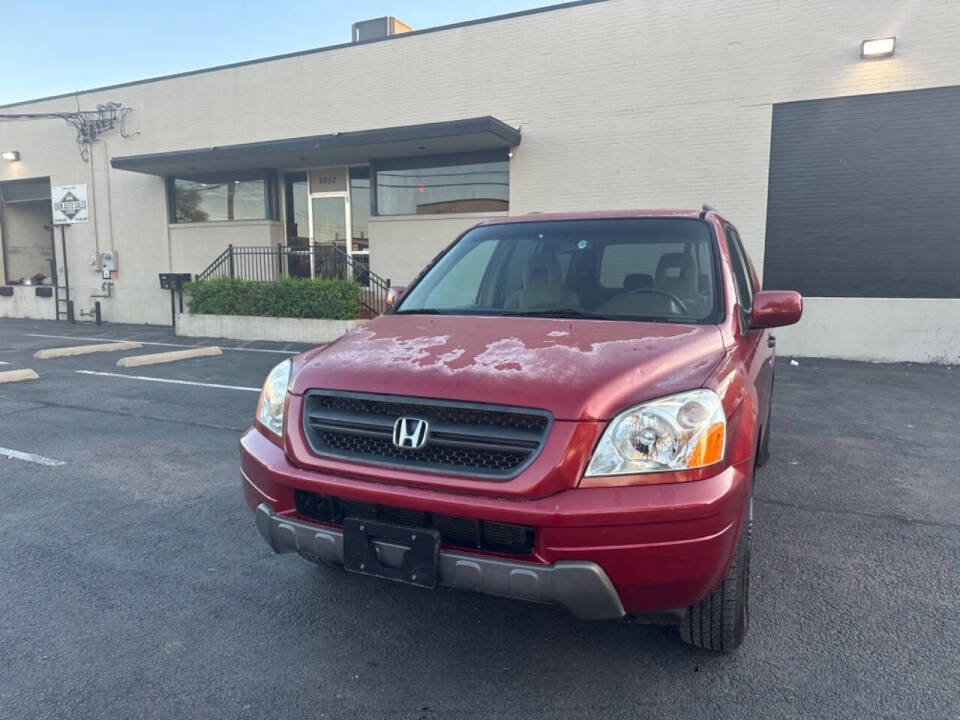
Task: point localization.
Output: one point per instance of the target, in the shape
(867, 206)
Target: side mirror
(394, 295)
(775, 308)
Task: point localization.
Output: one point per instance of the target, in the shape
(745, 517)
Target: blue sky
(57, 46)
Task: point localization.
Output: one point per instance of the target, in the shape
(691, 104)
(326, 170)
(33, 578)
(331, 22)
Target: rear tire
(720, 621)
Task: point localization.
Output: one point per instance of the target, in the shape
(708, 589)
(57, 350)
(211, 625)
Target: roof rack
(705, 209)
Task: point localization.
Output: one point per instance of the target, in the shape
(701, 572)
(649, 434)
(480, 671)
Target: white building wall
(391, 237)
(25, 303)
(875, 329)
(194, 246)
(624, 103)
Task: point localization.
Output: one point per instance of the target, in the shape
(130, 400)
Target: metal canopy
(345, 148)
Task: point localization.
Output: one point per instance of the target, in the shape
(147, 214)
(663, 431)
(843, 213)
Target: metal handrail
(270, 263)
(213, 269)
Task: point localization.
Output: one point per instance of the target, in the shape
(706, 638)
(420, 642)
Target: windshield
(652, 269)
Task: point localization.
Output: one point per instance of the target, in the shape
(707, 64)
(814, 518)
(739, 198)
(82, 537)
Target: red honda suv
(563, 408)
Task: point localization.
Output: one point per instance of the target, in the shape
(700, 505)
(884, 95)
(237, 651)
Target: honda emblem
(410, 433)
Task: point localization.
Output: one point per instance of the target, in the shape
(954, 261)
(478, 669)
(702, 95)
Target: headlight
(270, 406)
(680, 432)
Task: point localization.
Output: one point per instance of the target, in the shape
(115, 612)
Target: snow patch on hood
(511, 356)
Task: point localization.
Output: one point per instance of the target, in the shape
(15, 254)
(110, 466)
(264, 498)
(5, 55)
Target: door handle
(771, 341)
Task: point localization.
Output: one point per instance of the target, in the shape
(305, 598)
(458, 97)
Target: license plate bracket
(393, 552)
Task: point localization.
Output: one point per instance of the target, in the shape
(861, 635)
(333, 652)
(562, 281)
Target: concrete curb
(47, 353)
(18, 375)
(274, 329)
(165, 357)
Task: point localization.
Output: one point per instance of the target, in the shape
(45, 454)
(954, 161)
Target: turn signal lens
(709, 448)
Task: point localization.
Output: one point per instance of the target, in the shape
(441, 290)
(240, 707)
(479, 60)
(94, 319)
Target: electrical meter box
(108, 263)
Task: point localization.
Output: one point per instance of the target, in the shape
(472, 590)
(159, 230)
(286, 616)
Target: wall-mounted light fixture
(10, 155)
(877, 48)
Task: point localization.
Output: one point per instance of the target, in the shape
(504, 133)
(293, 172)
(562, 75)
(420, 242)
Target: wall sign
(332, 179)
(69, 204)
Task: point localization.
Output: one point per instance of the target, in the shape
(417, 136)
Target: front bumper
(581, 587)
(662, 547)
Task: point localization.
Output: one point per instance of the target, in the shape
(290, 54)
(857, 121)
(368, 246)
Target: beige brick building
(762, 108)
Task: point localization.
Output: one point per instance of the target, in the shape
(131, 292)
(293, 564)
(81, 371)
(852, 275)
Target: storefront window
(222, 197)
(360, 207)
(461, 188)
(298, 218)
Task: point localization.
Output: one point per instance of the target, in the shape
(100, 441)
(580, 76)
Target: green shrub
(287, 297)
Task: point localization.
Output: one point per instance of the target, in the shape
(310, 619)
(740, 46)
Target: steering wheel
(670, 295)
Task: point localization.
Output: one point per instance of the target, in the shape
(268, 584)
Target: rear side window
(741, 273)
(630, 258)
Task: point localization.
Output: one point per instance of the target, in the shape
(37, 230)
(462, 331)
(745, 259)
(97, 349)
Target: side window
(741, 273)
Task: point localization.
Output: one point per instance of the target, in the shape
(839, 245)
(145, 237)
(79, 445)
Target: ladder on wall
(61, 296)
(61, 293)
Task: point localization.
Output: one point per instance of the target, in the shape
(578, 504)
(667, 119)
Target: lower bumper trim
(581, 587)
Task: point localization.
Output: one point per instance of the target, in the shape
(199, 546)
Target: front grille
(464, 438)
(454, 531)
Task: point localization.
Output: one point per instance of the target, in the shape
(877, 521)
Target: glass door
(329, 231)
(329, 221)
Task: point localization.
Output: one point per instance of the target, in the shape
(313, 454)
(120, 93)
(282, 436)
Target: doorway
(326, 221)
(26, 233)
(328, 233)
(329, 210)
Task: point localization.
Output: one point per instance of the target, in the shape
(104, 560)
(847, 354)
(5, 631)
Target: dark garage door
(864, 196)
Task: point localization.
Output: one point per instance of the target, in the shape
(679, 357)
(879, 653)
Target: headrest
(637, 281)
(675, 260)
(541, 268)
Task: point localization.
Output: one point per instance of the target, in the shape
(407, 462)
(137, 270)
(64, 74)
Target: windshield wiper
(561, 312)
(574, 313)
(549, 313)
(423, 311)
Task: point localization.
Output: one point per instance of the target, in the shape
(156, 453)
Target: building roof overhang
(341, 148)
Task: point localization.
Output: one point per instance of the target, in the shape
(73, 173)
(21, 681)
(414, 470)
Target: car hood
(577, 369)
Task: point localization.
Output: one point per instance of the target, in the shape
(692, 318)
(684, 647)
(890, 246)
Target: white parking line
(164, 344)
(168, 380)
(29, 457)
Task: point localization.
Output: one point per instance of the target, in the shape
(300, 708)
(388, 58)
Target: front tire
(720, 621)
(763, 450)
(317, 560)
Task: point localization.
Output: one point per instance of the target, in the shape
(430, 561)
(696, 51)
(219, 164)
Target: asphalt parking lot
(134, 584)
